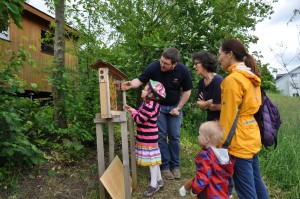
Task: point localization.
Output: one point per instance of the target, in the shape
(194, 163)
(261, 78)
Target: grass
(281, 166)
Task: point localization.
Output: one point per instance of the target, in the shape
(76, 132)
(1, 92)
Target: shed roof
(43, 15)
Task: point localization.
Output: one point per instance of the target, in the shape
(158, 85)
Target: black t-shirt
(173, 81)
(211, 91)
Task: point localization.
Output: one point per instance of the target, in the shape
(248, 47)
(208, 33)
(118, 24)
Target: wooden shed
(36, 25)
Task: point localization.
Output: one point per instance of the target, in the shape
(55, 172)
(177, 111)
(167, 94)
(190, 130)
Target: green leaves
(33, 86)
(16, 147)
(141, 30)
(51, 173)
(72, 145)
(10, 9)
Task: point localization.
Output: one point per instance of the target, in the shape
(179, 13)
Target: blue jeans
(169, 137)
(230, 185)
(247, 179)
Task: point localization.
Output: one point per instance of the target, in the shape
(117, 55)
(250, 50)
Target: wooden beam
(100, 156)
(132, 152)
(125, 160)
(111, 141)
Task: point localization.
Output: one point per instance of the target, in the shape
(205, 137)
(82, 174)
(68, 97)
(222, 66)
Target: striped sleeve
(146, 111)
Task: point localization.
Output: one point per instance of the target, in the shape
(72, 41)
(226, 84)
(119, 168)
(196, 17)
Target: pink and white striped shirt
(146, 120)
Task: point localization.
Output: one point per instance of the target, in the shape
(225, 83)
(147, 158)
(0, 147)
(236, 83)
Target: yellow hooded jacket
(241, 87)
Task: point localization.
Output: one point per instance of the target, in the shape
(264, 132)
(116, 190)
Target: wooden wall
(31, 35)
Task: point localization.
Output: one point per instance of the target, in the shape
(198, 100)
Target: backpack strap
(232, 130)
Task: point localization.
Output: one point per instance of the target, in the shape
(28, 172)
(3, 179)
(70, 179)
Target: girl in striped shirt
(146, 149)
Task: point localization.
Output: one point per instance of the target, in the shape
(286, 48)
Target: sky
(275, 33)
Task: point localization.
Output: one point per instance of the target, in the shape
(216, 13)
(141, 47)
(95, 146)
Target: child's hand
(128, 108)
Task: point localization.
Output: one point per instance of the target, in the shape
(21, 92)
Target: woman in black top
(209, 91)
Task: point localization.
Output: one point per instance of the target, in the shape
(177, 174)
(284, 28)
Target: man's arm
(135, 83)
(184, 98)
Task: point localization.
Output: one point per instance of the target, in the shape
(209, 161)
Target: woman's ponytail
(251, 63)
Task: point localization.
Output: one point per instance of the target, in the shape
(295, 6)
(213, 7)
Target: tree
(267, 79)
(10, 9)
(59, 65)
(142, 29)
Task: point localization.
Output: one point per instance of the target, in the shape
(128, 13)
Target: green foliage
(192, 117)
(141, 30)
(16, 148)
(268, 81)
(82, 102)
(27, 127)
(51, 173)
(10, 9)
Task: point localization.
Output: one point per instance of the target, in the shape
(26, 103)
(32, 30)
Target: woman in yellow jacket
(241, 90)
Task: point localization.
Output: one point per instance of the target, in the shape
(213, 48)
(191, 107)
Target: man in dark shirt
(177, 80)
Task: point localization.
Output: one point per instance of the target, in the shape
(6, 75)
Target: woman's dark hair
(241, 54)
(171, 53)
(208, 60)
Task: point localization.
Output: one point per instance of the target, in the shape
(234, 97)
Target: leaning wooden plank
(113, 179)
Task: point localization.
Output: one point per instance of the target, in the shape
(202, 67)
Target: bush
(16, 149)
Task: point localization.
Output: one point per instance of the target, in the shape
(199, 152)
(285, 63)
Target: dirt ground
(78, 181)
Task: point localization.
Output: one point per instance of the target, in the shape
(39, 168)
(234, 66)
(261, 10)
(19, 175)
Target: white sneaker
(182, 191)
(231, 196)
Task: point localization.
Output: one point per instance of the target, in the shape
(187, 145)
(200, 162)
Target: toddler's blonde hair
(213, 130)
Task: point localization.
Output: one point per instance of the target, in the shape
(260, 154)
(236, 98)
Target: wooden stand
(121, 118)
(112, 100)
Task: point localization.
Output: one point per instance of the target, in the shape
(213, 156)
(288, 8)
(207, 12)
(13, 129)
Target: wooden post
(101, 160)
(132, 152)
(111, 141)
(132, 147)
(125, 160)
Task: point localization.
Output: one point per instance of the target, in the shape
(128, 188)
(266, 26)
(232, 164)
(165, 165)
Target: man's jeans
(169, 137)
(247, 179)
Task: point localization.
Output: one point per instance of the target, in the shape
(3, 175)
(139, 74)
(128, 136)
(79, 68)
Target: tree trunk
(59, 66)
